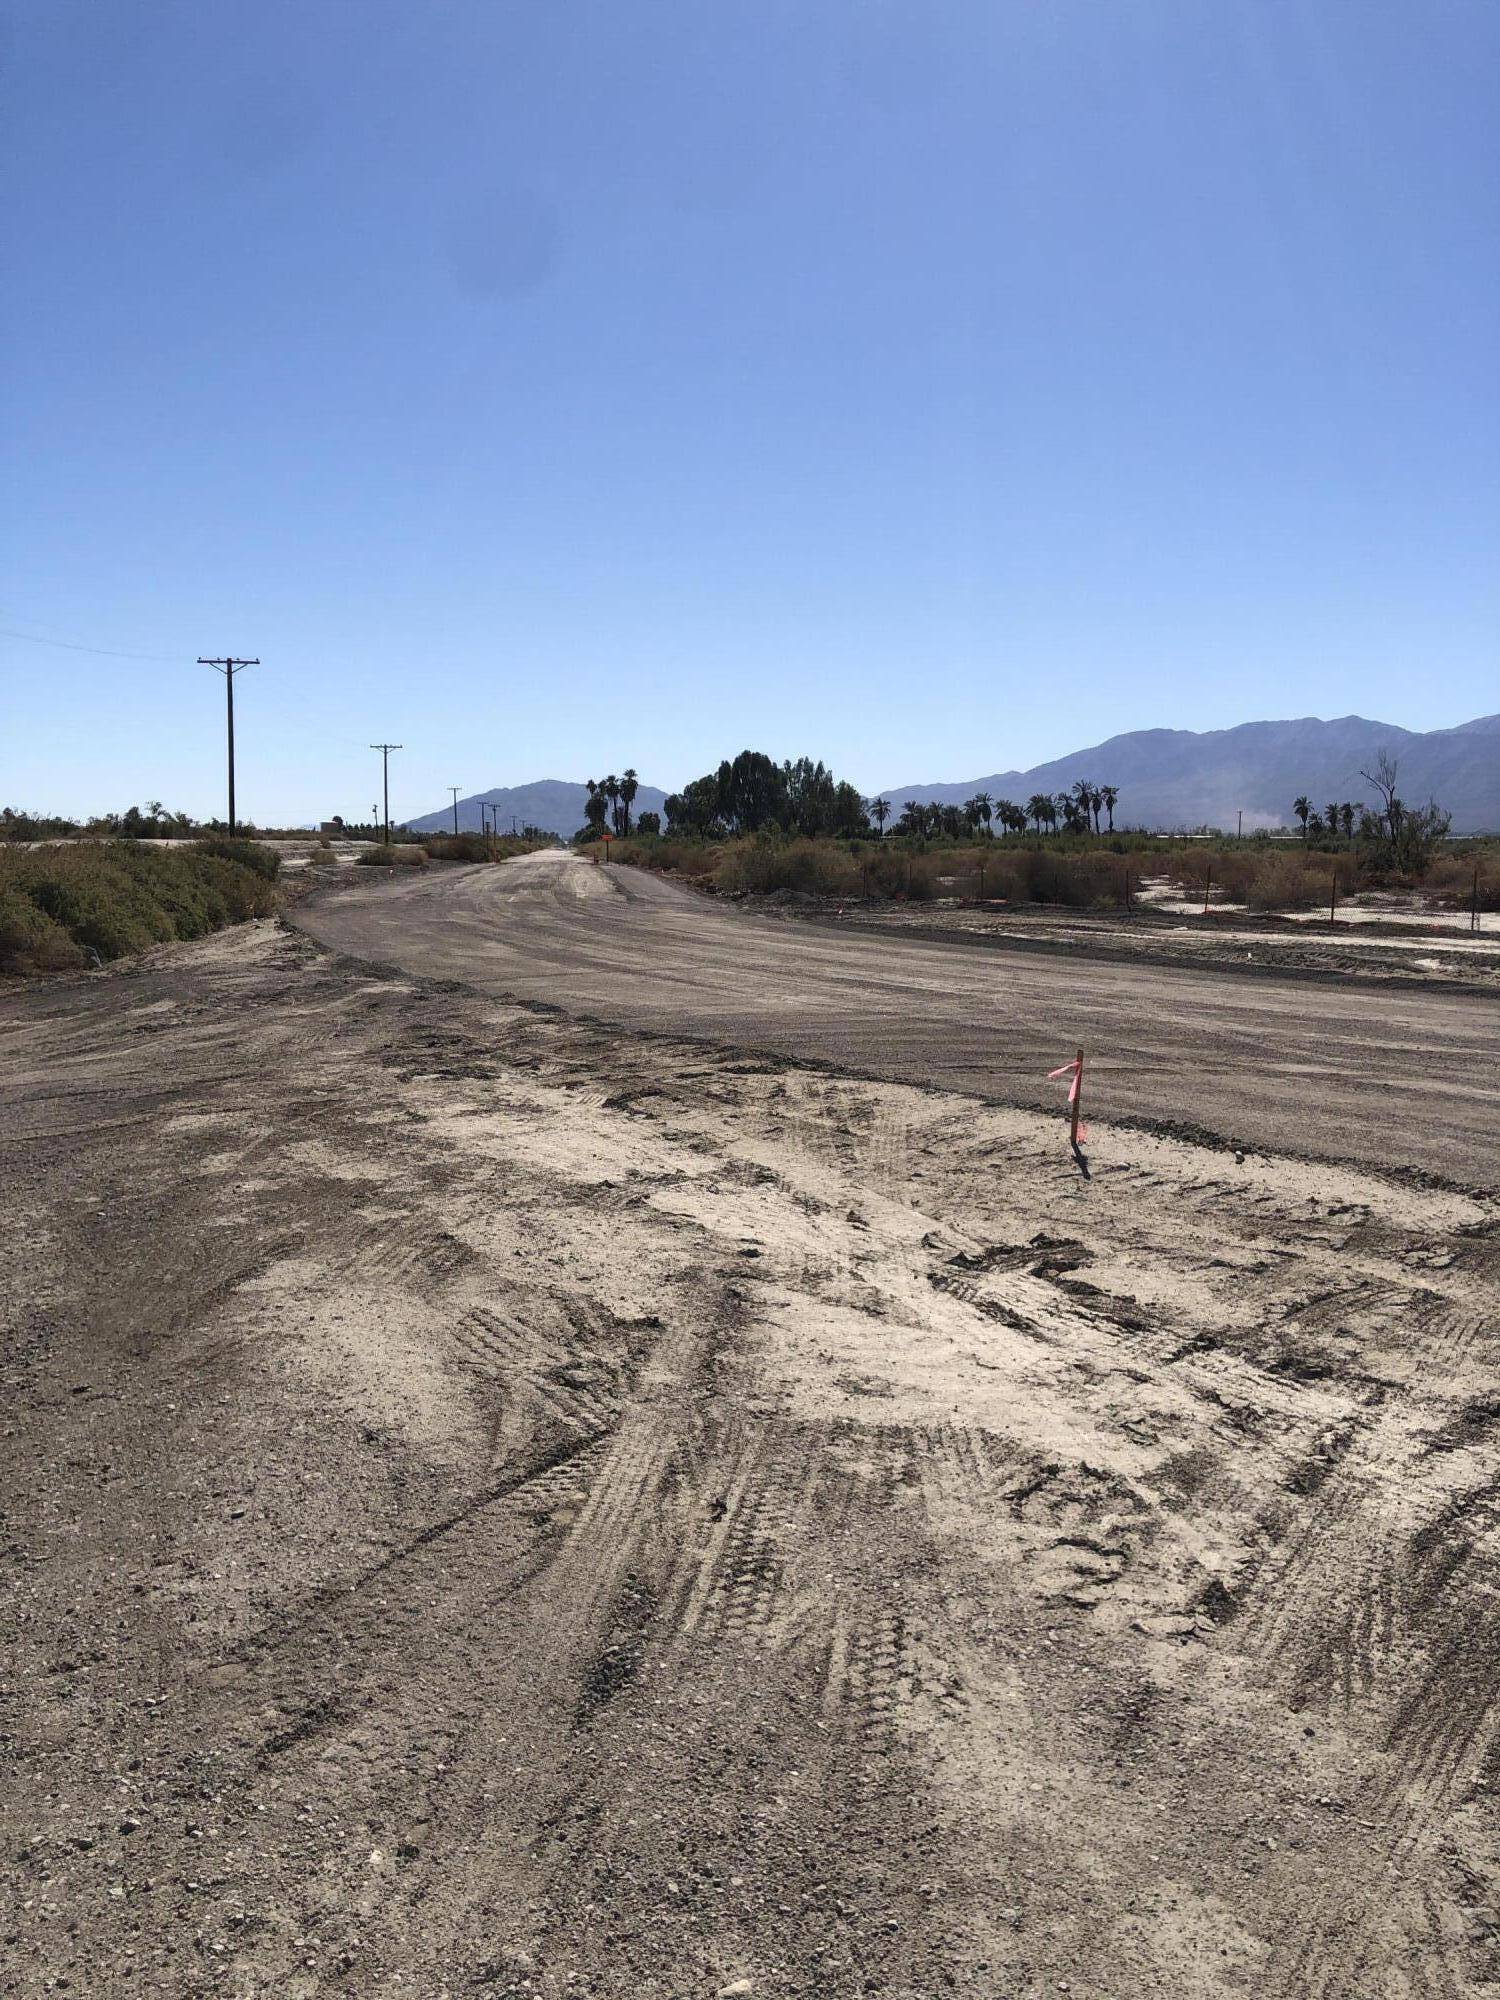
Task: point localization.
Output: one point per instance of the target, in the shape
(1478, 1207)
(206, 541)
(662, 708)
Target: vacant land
(1434, 951)
(496, 1507)
(1341, 1070)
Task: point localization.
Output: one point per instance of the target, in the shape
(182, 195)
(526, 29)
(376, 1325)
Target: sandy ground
(1331, 1067)
(1227, 940)
(496, 1508)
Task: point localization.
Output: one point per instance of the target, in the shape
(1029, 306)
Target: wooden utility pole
(454, 789)
(229, 666)
(385, 750)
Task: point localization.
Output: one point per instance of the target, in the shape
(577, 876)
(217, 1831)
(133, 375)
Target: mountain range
(1167, 778)
(1176, 778)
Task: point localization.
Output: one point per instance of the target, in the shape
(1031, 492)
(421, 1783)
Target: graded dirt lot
(1338, 1070)
(496, 1507)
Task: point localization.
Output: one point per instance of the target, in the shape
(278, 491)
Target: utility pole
(454, 789)
(229, 666)
(385, 750)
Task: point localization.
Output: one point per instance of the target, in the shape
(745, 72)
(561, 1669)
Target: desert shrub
(322, 856)
(812, 867)
(1080, 878)
(1282, 882)
(1449, 880)
(31, 941)
(116, 897)
(671, 854)
(1267, 878)
(248, 853)
(1230, 872)
(765, 864)
(477, 847)
(400, 854)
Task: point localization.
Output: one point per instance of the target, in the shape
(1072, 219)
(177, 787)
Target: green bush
(115, 897)
(31, 941)
(249, 853)
(400, 854)
(476, 847)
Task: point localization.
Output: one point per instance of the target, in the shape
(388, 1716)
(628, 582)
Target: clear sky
(568, 384)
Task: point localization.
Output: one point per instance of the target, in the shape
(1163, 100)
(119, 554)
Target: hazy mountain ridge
(554, 804)
(1184, 778)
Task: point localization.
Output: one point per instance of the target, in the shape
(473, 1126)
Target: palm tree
(1075, 817)
(1302, 806)
(630, 784)
(611, 790)
(981, 809)
(1331, 819)
(1346, 815)
(879, 811)
(1039, 808)
(1109, 794)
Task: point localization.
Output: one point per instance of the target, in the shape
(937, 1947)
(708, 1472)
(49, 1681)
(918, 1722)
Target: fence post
(1333, 895)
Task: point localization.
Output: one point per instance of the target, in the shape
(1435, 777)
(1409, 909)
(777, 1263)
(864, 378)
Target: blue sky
(554, 387)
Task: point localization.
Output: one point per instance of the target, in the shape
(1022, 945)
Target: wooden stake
(1208, 884)
(1333, 895)
(1077, 1096)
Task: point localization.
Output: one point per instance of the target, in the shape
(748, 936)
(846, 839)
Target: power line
(104, 652)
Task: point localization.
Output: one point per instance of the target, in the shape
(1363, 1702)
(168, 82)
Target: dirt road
(1276, 1064)
(491, 1509)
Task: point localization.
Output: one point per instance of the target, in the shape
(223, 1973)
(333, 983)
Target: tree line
(1394, 834)
(752, 793)
(1076, 811)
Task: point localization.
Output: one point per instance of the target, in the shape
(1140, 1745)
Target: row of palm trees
(1075, 811)
(1315, 824)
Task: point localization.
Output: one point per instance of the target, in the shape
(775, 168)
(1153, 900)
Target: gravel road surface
(1274, 1064)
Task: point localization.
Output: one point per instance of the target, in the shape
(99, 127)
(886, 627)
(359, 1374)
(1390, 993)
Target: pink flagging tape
(1073, 1069)
(1068, 1069)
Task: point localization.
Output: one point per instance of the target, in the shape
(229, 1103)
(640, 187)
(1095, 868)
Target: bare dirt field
(495, 1506)
(1388, 1073)
(1432, 952)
